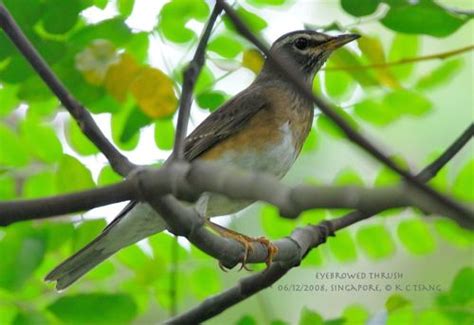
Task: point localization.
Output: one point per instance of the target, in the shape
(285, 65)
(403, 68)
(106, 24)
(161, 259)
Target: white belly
(275, 160)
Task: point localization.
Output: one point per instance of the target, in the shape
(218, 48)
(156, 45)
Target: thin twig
(439, 56)
(84, 119)
(305, 239)
(286, 69)
(190, 76)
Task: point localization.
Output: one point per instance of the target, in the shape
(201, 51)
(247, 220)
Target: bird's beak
(338, 41)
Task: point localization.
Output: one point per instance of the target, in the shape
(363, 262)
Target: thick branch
(288, 70)
(84, 119)
(190, 76)
(303, 240)
(438, 56)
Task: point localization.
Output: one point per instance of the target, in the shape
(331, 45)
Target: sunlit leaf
(174, 16)
(309, 317)
(114, 30)
(355, 315)
(12, 151)
(246, 320)
(463, 186)
(395, 302)
(343, 247)
(325, 124)
(346, 58)
(339, 84)
(204, 81)
(39, 185)
(8, 100)
(348, 177)
(439, 75)
(375, 241)
(205, 281)
(253, 60)
(254, 22)
(7, 187)
(72, 175)
(267, 2)
(211, 100)
(225, 45)
(164, 134)
(136, 120)
(416, 237)
(86, 232)
(107, 176)
(119, 121)
(375, 112)
(462, 288)
(41, 140)
(154, 93)
(78, 141)
(403, 46)
(114, 308)
(125, 7)
(311, 142)
(29, 317)
(453, 233)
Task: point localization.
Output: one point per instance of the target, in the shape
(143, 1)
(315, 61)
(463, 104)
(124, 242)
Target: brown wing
(225, 121)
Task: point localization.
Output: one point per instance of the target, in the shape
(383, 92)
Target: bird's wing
(222, 123)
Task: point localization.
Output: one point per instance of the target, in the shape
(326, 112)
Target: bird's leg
(246, 241)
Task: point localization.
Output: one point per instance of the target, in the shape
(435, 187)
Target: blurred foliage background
(123, 60)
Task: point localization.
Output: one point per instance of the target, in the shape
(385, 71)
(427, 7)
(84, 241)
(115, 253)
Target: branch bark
(303, 239)
(287, 70)
(83, 118)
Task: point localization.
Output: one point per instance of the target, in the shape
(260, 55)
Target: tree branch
(84, 119)
(439, 56)
(304, 239)
(288, 70)
(190, 76)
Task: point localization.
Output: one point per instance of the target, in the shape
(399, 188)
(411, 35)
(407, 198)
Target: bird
(261, 129)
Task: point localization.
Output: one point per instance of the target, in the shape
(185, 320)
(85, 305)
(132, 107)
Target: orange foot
(247, 242)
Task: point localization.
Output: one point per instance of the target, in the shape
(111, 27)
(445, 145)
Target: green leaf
(114, 30)
(246, 320)
(361, 7)
(205, 281)
(68, 11)
(453, 233)
(204, 81)
(78, 141)
(344, 57)
(114, 308)
(164, 134)
(254, 22)
(375, 112)
(309, 317)
(267, 2)
(415, 236)
(375, 241)
(22, 250)
(135, 121)
(395, 302)
(348, 176)
(339, 84)
(211, 100)
(25, 12)
(39, 185)
(7, 187)
(273, 225)
(8, 99)
(86, 232)
(422, 17)
(175, 15)
(12, 151)
(343, 247)
(463, 187)
(29, 317)
(138, 46)
(225, 45)
(72, 175)
(41, 140)
(403, 46)
(40, 109)
(440, 75)
(462, 288)
(311, 142)
(17, 70)
(108, 176)
(325, 124)
(355, 315)
(407, 102)
(428, 317)
(125, 7)
(119, 120)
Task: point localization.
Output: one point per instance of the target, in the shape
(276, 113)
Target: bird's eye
(301, 43)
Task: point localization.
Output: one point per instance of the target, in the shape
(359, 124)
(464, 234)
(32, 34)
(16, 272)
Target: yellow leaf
(253, 60)
(120, 75)
(95, 60)
(153, 91)
(373, 50)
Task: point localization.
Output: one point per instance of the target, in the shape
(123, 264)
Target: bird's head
(308, 49)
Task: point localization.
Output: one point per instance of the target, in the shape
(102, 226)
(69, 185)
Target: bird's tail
(79, 264)
(136, 222)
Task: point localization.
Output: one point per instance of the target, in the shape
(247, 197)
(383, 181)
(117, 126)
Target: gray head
(307, 49)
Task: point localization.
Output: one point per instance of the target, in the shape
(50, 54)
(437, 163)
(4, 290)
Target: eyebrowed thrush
(261, 129)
